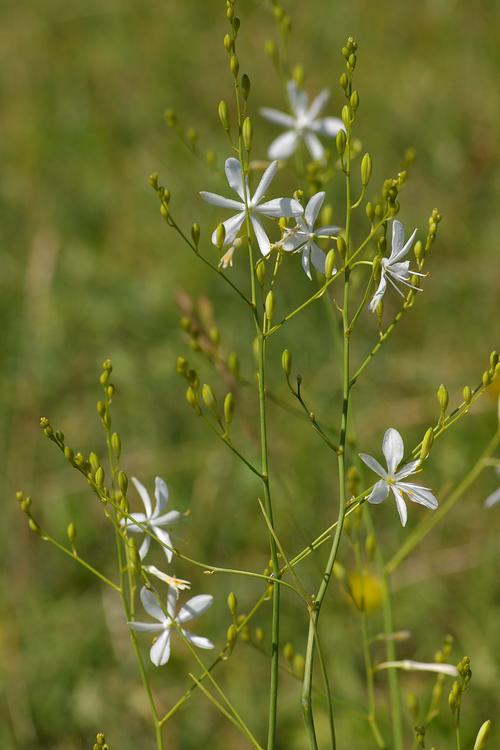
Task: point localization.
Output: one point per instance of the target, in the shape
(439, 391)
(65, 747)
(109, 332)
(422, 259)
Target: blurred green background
(89, 271)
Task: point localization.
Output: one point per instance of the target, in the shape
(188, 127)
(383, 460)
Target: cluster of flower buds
(295, 661)
(25, 505)
(100, 743)
(459, 686)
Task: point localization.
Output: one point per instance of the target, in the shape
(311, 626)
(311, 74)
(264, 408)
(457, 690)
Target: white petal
(318, 104)
(233, 173)
(294, 240)
(134, 527)
(144, 548)
(313, 208)
(393, 449)
(318, 258)
(306, 255)
(178, 583)
(328, 126)
(401, 269)
(492, 499)
(232, 227)
(375, 301)
(262, 238)
(398, 237)
(221, 201)
(284, 145)
(197, 640)
(329, 231)
(172, 598)
(280, 118)
(315, 146)
(165, 539)
(168, 519)
(407, 469)
(373, 464)
(194, 607)
(395, 256)
(265, 181)
(401, 505)
(160, 650)
(151, 605)
(278, 207)
(298, 98)
(146, 627)
(161, 496)
(144, 496)
(418, 494)
(379, 492)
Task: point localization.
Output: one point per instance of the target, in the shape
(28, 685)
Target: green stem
(78, 559)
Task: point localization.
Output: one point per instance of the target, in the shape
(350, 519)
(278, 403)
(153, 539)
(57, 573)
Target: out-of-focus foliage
(89, 270)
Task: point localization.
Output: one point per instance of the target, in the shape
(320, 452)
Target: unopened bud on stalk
(228, 408)
(260, 271)
(482, 736)
(134, 557)
(419, 251)
(153, 180)
(232, 603)
(341, 247)
(228, 43)
(34, 527)
(116, 444)
(245, 85)
(94, 461)
(99, 477)
(181, 366)
(272, 51)
(420, 736)
(366, 169)
(208, 397)
(71, 533)
(233, 364)
(370, 211)
(234, 65)
(426, 444)
(195, 233)
(286, 362)
(232, 636)
(346, 116)
(354, 100)
(493, 359)
(340, 142)
(344, 81)
(247, 133)
(224, 115)
(259, 635)
(467, 394)
(454, 697)
(122, 482)
(330, 263)
(214, 335)
(487, 378)
(220, 236)
(69, 454)
(443, 398)
(270, 305)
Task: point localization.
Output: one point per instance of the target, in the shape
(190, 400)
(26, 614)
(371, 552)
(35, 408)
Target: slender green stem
(74, 556)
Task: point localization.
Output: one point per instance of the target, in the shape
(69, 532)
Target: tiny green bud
(298, 75)
(419, 251)
(260, 271)
(482, 736)
(191, 397)
(232, 635)
(286, 362)
(272, 51)
(233, 364)
(122, 482)
(493, 359)
(26, 504)
(94, 461)
(354, 100)
(366, 169)
(346, 115)
(220, 236)
(330, 263)
(247, 133)
(259, 635)
(33, 526)
(192, 136)
(245, 85)
(228, 408)
(181, 366)
(341, 247)
(228, 43)
(19, 496)
(153, 180)
(299, 665)
(426, 444)
(370, 211)
(116, 444)
(487, 378)
(234, 65)
(270, 305)
(71, 532)
(101, 409)
(224, 115)
(288, 652)
(68, 453)
(99, 477)
(467, 394)
(443, 398)
(79, 459)
(344, 81)
(232, 603)
(208, 397)
(214, 335)
(340, 142)
(195, 233)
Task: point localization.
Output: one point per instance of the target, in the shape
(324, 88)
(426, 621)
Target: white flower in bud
(393, 450)
(304, 124)
(160, 650)
(393, 269)
(273, 209)
(302, 238)
(494, 498)
(153, 520)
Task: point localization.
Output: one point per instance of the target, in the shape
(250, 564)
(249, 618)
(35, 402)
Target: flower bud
(366, 169)
(288, 652)
(69, 454)
(232, 636)
(482, 736)
(299, 665)
(286, 362)
(487, 378)
(259, 635)
(208, 397)
(195, 233)
(270, 305)
(122, 482)
(443, 398)
(34, 527)
(71, 533)
(341, 247)
(233, 364)
(247, 133)
(260, 271)
(99, 477)
(346, 115)
(181, 366)
(116, 444)
(153, 180)
(94, 461)
(420, 736)
(344, 81)
(467, 394)
(220, 236)
(330, 263)
(228, 43)
(340, 142)
(370, 211)
(234, 65)
(224, 115)
(228, 408)
(232, 603)
(354, 100)
(245, 85)
(426, 444)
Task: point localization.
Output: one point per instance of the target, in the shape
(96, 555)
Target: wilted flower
(275, 208)
(494, 497)
(302, 125)
(154, 520)
(393, 450)
(160, 650)
(303, 236)
(393, 269)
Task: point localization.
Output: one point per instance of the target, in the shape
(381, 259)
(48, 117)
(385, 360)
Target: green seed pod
(482, 736)
(344, 81)
(101, 408)
(116, 444)
(245, 85)
(330, 263)
(260, 271)
(366, 169)
(232, 603)
(299, 665)
(224, 115)
(443, 398)
(99, 477)
(426, 444)
(270, 305)
(286, 362)
(195, 233)
(208, 397)
(220, 236)
(122, 482)
(288, 652)
(234, 65)
(229, 408)
(340, 142)
(247, 133)
(71, 532)
(233, 364)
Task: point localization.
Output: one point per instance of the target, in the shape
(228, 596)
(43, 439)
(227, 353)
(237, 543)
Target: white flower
(275, 208)
(419, 666)
(393, 450)
(177, 583)
(393, 269)
(160, 650)
(303, 236)
(494, 497)
(302, 124)
(154, 520)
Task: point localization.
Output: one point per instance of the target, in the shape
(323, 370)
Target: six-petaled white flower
(154, 520)
(304, 124)
(303, 236)
(393, 450)
(494, 498)
(160, 650)
(275, 208)
(393, 268)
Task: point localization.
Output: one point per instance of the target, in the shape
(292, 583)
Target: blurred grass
(89, 270)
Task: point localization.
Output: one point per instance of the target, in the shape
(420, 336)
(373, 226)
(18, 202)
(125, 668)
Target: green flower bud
(487, 378)
(232, 636)
(228, 43)
(79, 459)
(288, 652)
(427, 444)
(344, 81)
(482, 736)
(354, 100)
(340, 142)
(94, 461)
(195, 233)
(101, 409)
(341, 247)
(99, 477)
(224, 115)
(122, 482)
(220, 236)
(104, 377)
(71, 532)
(330, 263)
(233, 364)
(245, 85)
(346, 115)
(181, 366)
(286, 362)
(259, 635)
(260, 271)
(208, 397)
(69, 454)
(443, 398)
(234, 65)
(34, 527)
(270, 305)
(366, 169)
(228, 408)
(370, 211)
(298, 75)
(247, 133)
(467, 394)
(299, 665)
(214, 335)
(232, 603)
(116, 444)
(26, 504)
(153, 180)
(272, 51)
